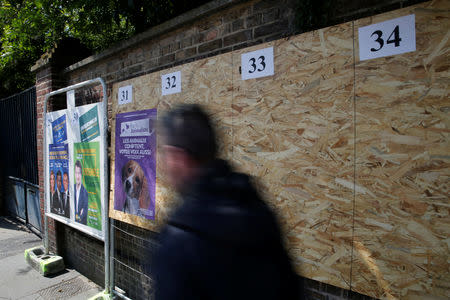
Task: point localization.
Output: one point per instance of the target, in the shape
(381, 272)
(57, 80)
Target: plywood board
(294, 132)
(402, 223)
(305, 132)
(207, 82)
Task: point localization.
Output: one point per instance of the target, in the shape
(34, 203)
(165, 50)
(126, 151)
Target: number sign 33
(257, 63)
(391, 37)
(171, 83)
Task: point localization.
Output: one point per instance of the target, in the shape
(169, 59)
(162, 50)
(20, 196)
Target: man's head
(78, 173)
(59, 180)
(189, 142)
(66, 181)
(52, 181)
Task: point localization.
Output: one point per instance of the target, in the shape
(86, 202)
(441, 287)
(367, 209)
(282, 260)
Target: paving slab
(18, 280)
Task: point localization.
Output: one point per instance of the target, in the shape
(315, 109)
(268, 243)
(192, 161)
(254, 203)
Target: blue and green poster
(87, 190)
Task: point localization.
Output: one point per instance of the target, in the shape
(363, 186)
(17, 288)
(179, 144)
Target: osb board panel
(294, 132)
(207, 82)
(402, 223)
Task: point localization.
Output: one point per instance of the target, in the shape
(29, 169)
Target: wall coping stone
(155, 31)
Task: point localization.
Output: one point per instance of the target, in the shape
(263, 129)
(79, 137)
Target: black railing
(18, 150)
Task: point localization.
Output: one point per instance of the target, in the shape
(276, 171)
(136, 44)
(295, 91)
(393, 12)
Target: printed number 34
(380, 41)
(261, 64)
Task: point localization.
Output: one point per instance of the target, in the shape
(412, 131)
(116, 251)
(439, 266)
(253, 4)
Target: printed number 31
(124, 95)
(253, 61)
(380, 41)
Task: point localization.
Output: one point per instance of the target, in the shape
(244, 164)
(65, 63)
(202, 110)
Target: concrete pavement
(18, 280)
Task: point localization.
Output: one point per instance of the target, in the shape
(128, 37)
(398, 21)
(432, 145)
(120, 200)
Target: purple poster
(135, 166)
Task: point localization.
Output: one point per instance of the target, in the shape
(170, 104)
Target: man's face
(177, 166)
(58, 182)
(66, 182)
(52, 182)
(78, 175)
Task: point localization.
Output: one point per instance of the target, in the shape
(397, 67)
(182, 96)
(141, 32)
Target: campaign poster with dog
(135, 163)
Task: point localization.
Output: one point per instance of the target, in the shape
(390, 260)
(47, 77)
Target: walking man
(223, 242)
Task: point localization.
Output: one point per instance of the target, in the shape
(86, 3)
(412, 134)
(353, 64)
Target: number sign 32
(171, 83)
(391, 37)
(257, 63)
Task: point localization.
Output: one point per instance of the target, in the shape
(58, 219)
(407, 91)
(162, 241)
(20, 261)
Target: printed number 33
(380, 41)
(261, 63)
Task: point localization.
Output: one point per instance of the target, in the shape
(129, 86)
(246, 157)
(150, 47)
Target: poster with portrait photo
(86, 189)
(58, 176)
(75, 164)
(59, 180)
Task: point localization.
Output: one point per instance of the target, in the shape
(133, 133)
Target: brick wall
(223, 26)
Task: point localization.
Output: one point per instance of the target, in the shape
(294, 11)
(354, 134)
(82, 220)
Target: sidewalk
(18, 280)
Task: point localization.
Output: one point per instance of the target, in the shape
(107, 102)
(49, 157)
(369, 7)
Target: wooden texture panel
(207, 82)
(294, 132)
(402, 223)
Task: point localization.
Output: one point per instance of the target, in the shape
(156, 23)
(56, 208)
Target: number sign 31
(391, 37)
(257, 63)
(171, 83)
(125, 94)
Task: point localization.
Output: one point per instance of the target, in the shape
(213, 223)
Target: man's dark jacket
(223, 243)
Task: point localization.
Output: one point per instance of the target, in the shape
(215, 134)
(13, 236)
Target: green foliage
(28, 28)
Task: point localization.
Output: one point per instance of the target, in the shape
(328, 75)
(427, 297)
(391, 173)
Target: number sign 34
(171, 83)
(391, 37)
(257, 63)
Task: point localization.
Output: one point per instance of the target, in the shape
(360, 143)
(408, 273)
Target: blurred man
(81, 195)
(66, 198)
(223, 242)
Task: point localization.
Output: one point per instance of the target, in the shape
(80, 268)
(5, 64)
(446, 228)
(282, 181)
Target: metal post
(105, 187)
(111, 251)
(45, 174)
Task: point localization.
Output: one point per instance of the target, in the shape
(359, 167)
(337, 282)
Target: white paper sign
(387, 38)
(70, 96)
(171, 83)
(257, 63)
(125, 94)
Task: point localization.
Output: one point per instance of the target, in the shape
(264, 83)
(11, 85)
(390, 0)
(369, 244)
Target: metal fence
(18, 158)
(132, 253)
(18, 152)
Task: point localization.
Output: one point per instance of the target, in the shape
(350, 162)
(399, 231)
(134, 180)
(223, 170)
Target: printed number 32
(253, 61)
(380, 41)
(169, 86)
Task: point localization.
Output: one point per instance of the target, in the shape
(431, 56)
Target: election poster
(75, 183)
(59, 179)
(57, 175)
(59, 130)
(87, 190)
(89, 128)
(135, 163)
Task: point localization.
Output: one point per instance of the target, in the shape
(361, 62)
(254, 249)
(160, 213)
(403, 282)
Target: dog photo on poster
(135, 163)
